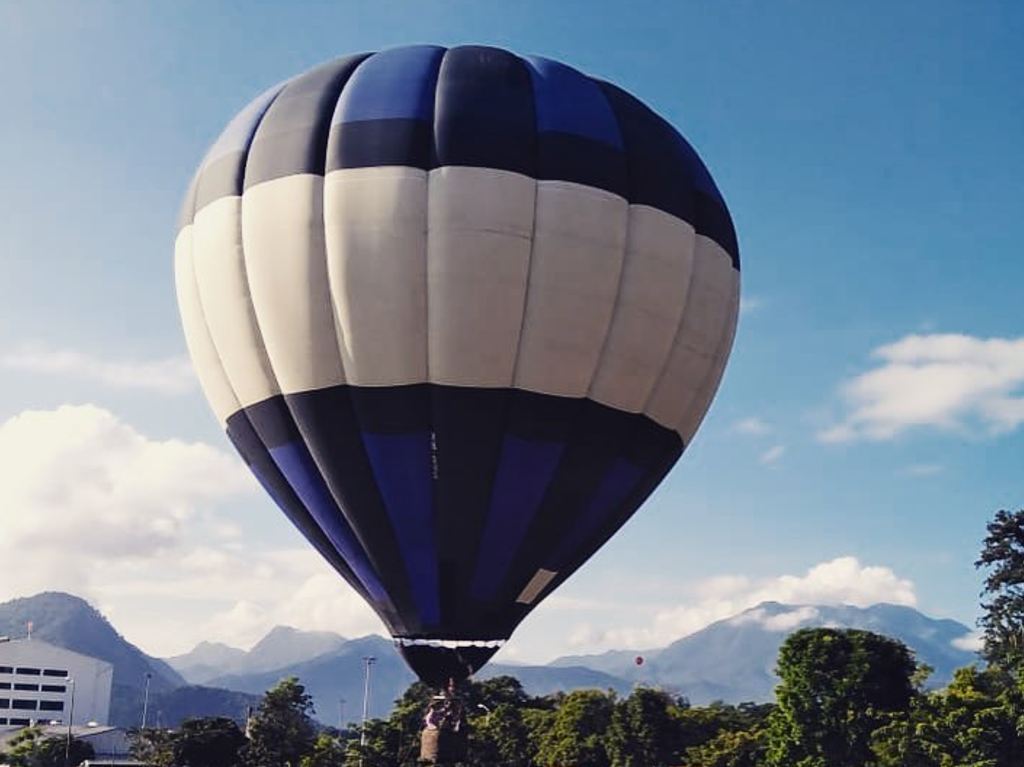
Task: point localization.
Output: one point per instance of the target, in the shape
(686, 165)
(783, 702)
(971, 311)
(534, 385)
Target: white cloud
(172, 375)
(772, 455)
(972, 642)
(944, 381)
(297, 589)
(234, 597)
(754, 426)
(78, 474)
(843, 580)
(780, 622)
(91, 506)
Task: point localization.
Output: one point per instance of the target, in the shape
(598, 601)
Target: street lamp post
(145, 701)
(71, 720)
(368, 662)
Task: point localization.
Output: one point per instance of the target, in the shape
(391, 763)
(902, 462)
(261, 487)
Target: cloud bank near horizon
(91, 506)
(842, 580)
(169, 564)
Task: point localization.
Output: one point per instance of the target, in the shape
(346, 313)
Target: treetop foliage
(1002, 555)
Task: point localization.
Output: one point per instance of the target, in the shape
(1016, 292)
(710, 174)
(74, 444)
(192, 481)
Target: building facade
(41, 683)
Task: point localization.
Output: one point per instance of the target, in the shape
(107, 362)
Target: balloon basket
(442, 747)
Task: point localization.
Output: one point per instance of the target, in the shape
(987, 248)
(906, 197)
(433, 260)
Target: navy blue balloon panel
(460, 312)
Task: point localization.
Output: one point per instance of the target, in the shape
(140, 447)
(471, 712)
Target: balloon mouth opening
(451, 644)
(437, 662)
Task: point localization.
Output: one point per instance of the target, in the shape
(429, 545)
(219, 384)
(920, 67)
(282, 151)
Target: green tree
(496, 691)
(209, 742)
(382, 747)
(837, 687)
(501, 737)
(576, 734)
(281, 731)
(644, 732)
(30, 748)
(153, 747)
(328, 751)
(501, 713)
(701, 724)
(976, 721)
(730, 748)
(1002, 555)
(400, 733)
(538, 723)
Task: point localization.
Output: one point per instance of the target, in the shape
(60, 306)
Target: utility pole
(368, 662)
(341, 714)
(71, 719)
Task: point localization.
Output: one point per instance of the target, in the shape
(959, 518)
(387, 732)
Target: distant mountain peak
(281, 633)
(733, 659)
(282, 630)
(773, 616)
(280, 647)
(207, 645)
(46, 601)
(68, 621)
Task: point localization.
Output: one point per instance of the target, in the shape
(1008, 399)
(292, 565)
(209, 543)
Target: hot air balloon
(460, 312)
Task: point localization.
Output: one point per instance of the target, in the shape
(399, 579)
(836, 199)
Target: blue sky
(872, 155)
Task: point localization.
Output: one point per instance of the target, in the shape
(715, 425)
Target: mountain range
(730, 660)
(734, 659)
(68, 621)
(282, 647)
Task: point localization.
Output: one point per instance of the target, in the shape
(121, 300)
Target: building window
(55, 672)
(5, 702)
(26, 687)
(3, 720)
(6, 670)
(51, 705)
(23, 705)
(53, 688)
(22, 722)
(28, 671)
(5, 685)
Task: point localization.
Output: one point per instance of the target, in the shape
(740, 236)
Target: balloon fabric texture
(460, 312)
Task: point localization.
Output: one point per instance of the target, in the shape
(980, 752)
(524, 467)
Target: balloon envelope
(460, 312)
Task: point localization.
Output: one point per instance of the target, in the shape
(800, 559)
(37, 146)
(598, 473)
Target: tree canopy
(837, 686)
(281, 731)
(1002, 555)
(31, 748)
(213, 742)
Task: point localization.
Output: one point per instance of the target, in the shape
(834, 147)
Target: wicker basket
(442, 746)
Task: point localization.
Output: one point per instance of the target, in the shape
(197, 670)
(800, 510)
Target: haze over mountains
(731, 660)
(282, 647)
(71, 622)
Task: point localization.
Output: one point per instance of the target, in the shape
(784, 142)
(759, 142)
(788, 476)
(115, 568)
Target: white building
(110, 744)
(43, 683)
